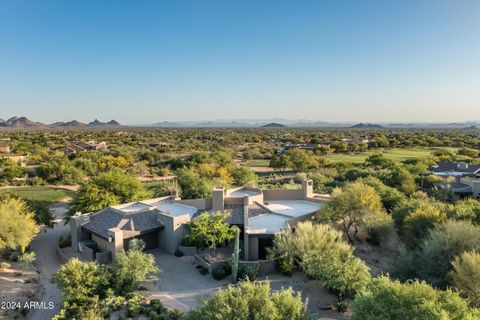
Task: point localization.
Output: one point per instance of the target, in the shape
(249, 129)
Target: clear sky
(147, 61)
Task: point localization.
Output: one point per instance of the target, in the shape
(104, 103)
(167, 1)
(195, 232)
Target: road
(47, 263)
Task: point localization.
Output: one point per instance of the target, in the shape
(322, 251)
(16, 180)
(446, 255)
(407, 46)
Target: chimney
(218, 199)
(307, 188)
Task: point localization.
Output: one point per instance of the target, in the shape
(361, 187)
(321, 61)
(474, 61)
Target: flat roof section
(293, 208)
(240, 193)
(175, 209)
(267, 223)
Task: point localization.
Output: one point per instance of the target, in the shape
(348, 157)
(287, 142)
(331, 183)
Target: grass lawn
(41, 194)
(396, 154)
(257, 163)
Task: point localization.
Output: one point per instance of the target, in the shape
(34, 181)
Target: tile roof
(102, 221)
(455, 166)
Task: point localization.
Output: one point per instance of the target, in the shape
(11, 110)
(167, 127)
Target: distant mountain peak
(366, 125)
(274, 125)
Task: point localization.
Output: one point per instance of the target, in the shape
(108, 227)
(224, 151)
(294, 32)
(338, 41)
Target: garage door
(150, 239)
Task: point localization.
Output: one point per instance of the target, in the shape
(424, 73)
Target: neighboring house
(456, 169)
(304, 146)
(81, 146)
(4, 148)
(466, 187)
(260, 214)
(17, 158)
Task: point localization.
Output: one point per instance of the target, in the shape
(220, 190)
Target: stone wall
(188, 251)
(103, 257)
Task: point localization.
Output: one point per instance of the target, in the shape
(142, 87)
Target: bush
(203, 270)
(178, 253)
(249, 273)
(251, 300)
(378, 226)
(466, 276)
(285, 267)
(227, 267)
(65, 242)
(188, 242)
(5, 265)
(386, 299)
(219, 274)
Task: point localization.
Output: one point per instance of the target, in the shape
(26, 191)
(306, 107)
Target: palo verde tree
(350, 206)
(107, 189)
(17, 223)
(210, 229)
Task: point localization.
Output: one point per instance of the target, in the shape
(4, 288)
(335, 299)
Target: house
(17, 158)
(466, 187)
(81, 146)
(456, 169)
(160, 222)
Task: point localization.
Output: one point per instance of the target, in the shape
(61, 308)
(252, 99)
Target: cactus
(235, 255)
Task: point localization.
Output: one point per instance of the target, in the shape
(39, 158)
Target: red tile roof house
(260, 214)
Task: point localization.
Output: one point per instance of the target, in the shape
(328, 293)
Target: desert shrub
(378, 227)
(249, 273)
(5, 265)
(219, 274)
(178, 253)
(203, 271)
(465, 276)
(386, 299)
(227, 267)
(418, 224)
(251, 300)
(432, 261)
(285, 267)
(65, 242)
(337, 269)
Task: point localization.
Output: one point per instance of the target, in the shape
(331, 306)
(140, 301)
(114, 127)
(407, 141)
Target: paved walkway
(47, 263)
(181, 286)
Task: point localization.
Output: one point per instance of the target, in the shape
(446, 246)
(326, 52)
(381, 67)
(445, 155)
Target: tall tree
(110, 188)
(17, 223)
(350, 206)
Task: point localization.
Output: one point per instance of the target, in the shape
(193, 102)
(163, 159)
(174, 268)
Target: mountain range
(24, 122)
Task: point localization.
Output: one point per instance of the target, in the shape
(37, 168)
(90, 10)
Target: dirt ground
(17, 286)
(379, 258)
(313, 294)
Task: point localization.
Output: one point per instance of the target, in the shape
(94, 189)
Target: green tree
(392, 300)
(280, 162)
(210, 229)
(83, 284)
(465, 276)
(131, 267)
(243, 176)
(350, 206)
(250, 300)
(433, 259)
(60, 170)
(337, 269)
(418, 224)
(192, 185)
(17, 224)
(301, 160)
(110, 188)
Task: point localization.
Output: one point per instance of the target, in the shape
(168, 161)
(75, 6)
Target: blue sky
(149, 61)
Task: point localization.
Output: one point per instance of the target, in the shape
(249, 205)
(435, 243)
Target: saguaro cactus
(235, 255)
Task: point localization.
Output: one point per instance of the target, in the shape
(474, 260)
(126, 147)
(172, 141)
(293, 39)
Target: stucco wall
(103, 244)
(200, 204)
(174, 230)
(296, 194)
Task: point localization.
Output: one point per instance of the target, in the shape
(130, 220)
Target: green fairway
(43, 194)
(396, 154)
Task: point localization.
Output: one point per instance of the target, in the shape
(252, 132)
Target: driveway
(47, 264)
(180, 285)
